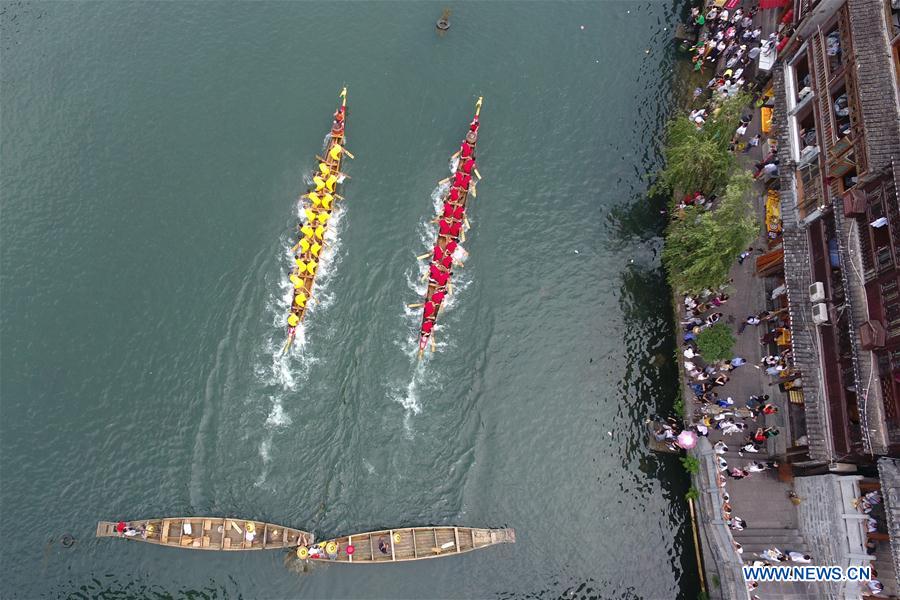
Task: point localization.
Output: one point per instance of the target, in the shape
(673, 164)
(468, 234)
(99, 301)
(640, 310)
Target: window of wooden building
(809, 189)
(840, 110)
(802, 76)
(833, 49)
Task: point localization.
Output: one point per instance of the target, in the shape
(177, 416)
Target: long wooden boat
(405, 544)
(318, 204)
(207, 533)
(451, 224)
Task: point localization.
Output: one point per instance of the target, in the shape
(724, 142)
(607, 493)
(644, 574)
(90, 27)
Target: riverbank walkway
(762, 499)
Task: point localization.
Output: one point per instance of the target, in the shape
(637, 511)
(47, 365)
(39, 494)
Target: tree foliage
(699, 159)
(725, 119)
(701, 246)
(716, 343)
(694, 162)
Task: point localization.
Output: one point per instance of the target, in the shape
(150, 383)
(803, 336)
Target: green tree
(716, 343)
(721, 126)
(694, 161)
(700, 159)
(692, 494)
(701, 246)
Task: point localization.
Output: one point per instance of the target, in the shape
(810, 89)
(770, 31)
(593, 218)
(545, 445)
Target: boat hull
(307, 279)
(412, 543)
(209, 533)
(443, 239)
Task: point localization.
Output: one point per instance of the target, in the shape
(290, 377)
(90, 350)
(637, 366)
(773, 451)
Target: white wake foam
(408, 394)
(278, 372)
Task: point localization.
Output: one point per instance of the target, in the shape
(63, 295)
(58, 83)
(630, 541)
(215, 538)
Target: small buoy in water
(582, 27)
(647, 51)
(443, 24)
(67, 541)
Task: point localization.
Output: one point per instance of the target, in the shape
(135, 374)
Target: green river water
(152, 157)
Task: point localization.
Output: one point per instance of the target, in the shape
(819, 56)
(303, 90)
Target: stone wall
(719, 556)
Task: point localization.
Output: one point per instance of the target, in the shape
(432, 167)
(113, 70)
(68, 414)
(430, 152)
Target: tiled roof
(797, 280)
(876, 88)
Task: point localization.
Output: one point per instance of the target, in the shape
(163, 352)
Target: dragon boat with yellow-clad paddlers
(404, 544)
(207, 533)
(452, 223)
(318, 204)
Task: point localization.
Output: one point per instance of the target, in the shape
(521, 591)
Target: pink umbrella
(686, 439)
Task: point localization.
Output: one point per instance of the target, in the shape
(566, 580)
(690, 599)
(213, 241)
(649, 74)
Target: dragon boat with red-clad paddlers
(451, 224)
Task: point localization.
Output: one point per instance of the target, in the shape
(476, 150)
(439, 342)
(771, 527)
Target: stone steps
(732, 455)
(755, 540)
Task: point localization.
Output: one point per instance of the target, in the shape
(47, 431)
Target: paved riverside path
(760, 499)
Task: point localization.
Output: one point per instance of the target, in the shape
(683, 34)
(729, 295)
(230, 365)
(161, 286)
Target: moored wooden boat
(405, 544)
(207, 533)
(319, 203)
(451, 222)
